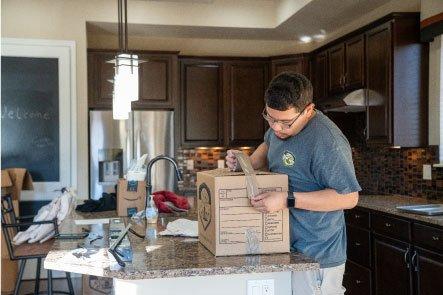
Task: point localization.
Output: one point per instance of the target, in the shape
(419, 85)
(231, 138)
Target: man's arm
(259, 157)
(324, 200)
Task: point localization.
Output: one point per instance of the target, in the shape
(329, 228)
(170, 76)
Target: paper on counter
(91, 221)
(181, 227)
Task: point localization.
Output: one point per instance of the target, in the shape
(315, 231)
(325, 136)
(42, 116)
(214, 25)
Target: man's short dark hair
(289, 90)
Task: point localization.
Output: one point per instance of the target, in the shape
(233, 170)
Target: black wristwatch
(291, 200)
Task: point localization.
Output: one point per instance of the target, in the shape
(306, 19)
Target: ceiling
(306, 17)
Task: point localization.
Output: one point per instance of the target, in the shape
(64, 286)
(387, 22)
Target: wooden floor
(58, 285)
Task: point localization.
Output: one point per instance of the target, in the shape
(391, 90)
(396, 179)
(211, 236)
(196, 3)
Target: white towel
(58, 208)
(181, 227)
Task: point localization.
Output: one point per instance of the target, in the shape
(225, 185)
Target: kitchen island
(169, 265)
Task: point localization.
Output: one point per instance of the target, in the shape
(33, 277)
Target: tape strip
(251, 179)
(252, 241)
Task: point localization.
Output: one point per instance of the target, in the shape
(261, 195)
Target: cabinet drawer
(357, 279)
(357, 217)
(390, 227)
(427, 236)
(359, 245)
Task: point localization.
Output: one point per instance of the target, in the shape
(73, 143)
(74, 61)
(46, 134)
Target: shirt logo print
(288, 159)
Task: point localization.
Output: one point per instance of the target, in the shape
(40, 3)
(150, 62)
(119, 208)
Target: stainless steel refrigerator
(114, 143)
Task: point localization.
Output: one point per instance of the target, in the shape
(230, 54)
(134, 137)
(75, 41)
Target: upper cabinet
(336, 68)
(246, 82)
(100, 75)
(222, 101)
(388, 61)
(157, 80)
(396, 81)
(295, 63)
(320, 76)
(201, 102)
(355, 63)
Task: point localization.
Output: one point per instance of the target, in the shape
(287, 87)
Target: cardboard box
(9, 275)
(14, 180)
(131, 197)
(229, 225)
(93, 285)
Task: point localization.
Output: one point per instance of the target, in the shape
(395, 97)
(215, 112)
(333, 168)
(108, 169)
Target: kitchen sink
(428, 209)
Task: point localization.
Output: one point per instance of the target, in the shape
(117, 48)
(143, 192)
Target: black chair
(11, 224)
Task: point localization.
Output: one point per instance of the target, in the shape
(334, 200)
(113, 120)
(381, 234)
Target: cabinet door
(336, 68)
(428, 267)
(244, 93)
(391, 267)
(355, 61)
(201, 103)
(100, 73)
(378, 81)
(320, 68)
(357, 279)
(295, 64)
(156, 81)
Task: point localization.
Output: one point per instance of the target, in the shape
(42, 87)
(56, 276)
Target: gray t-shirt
(317, 158)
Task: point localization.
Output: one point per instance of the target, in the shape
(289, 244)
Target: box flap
(6, 180)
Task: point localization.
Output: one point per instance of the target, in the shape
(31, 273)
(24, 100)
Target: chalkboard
(30, 116)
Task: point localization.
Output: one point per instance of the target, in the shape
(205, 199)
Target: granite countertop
(388, 204)
(159, 256)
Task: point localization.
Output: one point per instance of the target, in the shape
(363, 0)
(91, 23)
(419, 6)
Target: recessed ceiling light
(305, 39)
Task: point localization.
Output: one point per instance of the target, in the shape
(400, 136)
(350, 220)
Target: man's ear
(310, 108)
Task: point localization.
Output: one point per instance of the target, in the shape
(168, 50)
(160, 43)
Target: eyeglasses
(283, 125)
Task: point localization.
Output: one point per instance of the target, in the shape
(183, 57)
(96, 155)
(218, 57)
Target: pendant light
(126, 69)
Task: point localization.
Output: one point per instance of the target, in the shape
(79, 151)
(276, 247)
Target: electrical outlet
(260, 287)
(427, 172)
(268, 287)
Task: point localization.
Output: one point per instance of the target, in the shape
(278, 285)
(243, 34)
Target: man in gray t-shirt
(307, 146)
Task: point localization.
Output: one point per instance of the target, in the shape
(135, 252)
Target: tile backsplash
(387, 171)
(379, 170)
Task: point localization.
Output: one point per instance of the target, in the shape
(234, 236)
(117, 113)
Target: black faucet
(148, 172)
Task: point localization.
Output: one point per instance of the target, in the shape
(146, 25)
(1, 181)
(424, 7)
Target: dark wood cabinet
(355, 63)
(201, 103)
(404, 255)
(158, 83)
(100, 77)
(390, 255)
(297, 63)
(396, 82)
(378, 57)
(357, 279)
(336, 69)
(428, 270)
(244, 88)
(320, 76)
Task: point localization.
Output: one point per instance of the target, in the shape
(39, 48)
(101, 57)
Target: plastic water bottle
(151, 210)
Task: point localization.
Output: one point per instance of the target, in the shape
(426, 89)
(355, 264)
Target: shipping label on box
(131, 197)
(229, 225)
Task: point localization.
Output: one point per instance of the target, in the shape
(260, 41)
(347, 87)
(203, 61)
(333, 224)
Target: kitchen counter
(388, 204)
(159, 256)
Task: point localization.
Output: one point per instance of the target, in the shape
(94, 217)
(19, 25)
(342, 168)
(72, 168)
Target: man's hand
(270, 202)
(231, 160)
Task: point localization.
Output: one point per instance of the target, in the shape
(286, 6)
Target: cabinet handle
(414, 261)
(435, 238)
(358, 282)
(357, 244)
(387, 224)
(407, 257)
(357, 216)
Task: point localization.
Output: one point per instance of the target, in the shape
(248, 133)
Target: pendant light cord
(122, 19)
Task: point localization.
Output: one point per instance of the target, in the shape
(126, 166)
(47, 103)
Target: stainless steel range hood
(349, 102)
